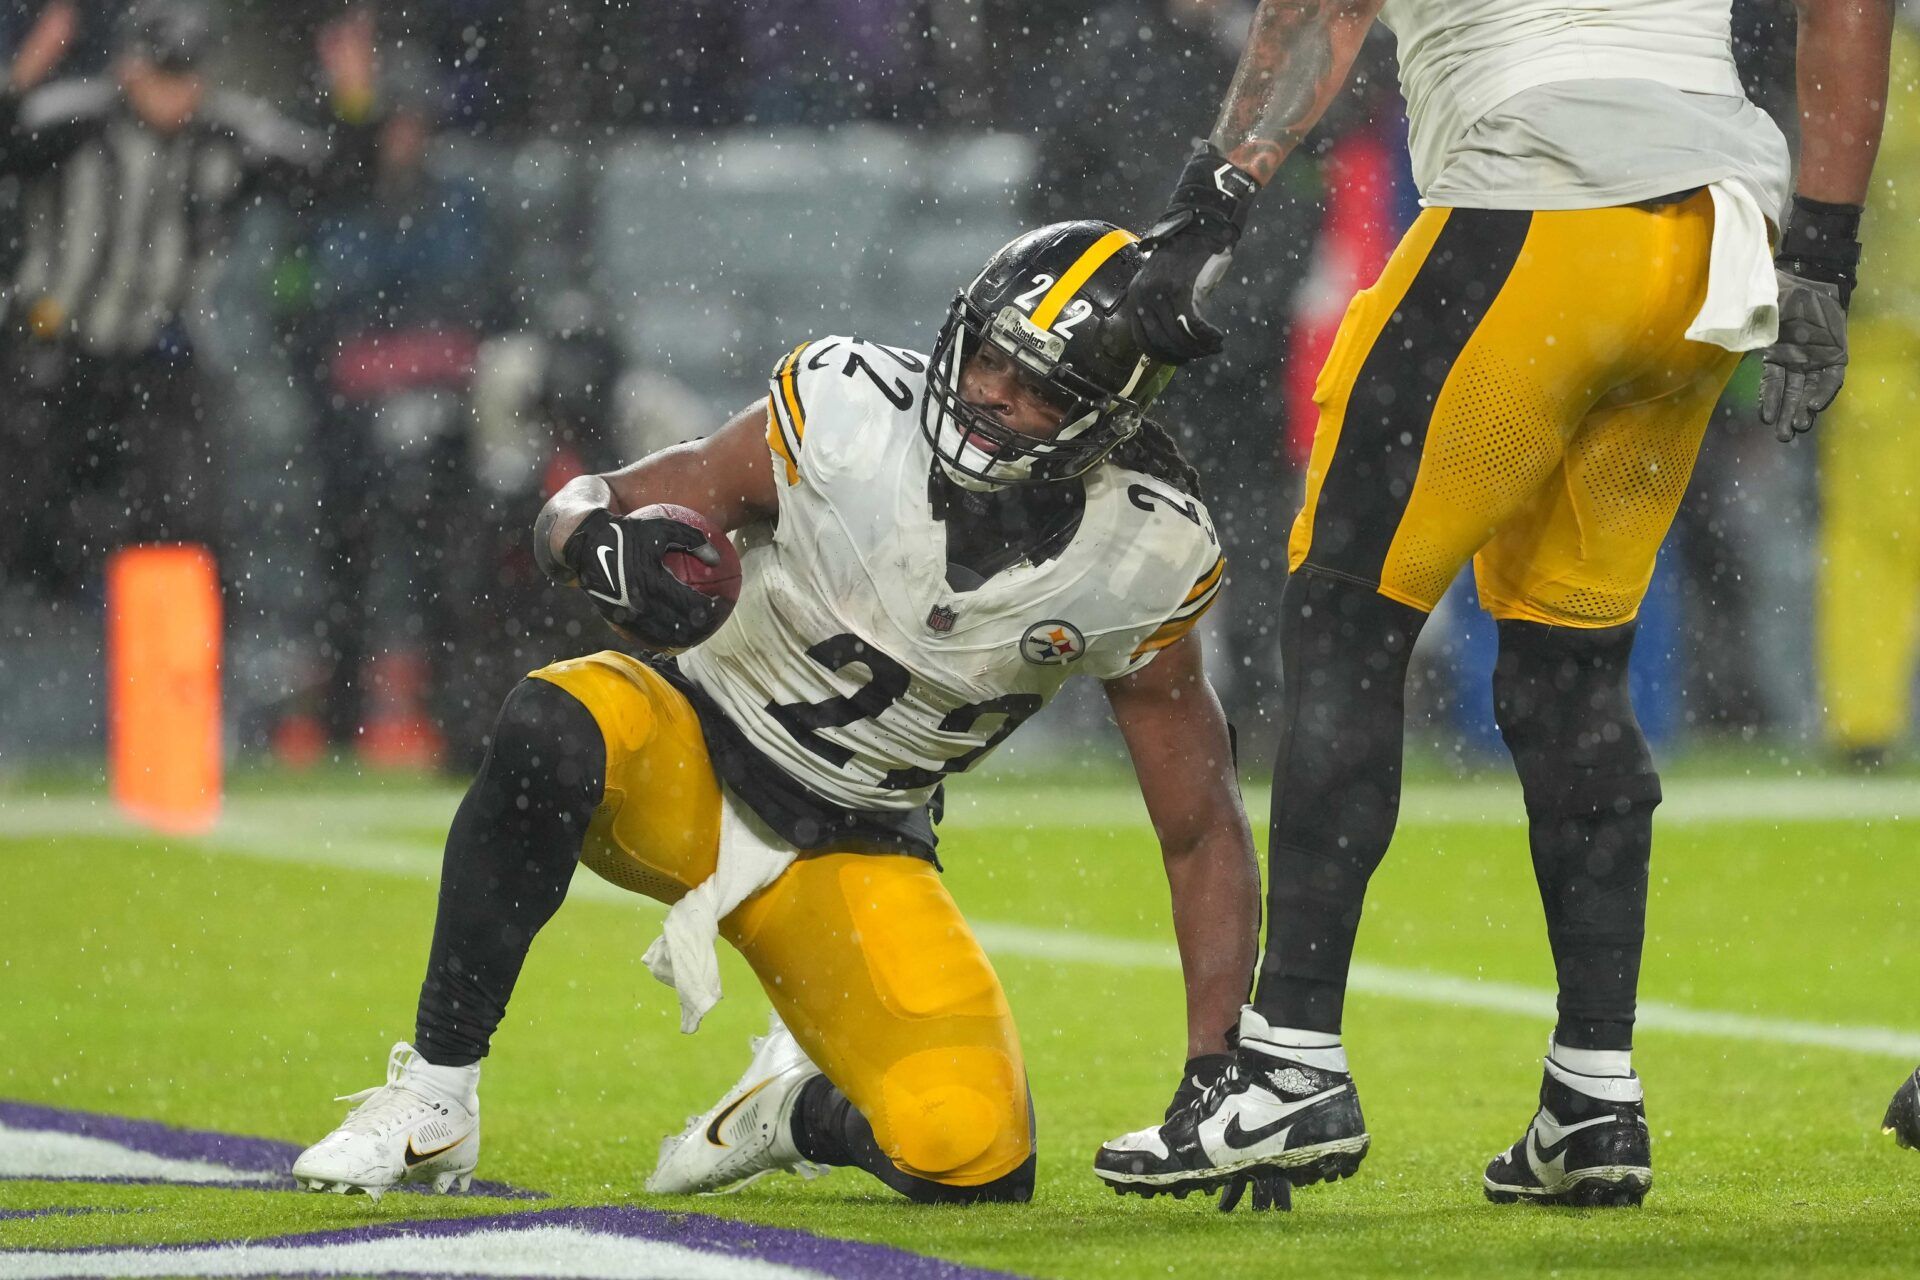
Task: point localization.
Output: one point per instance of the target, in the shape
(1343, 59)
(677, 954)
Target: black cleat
(1903, 1114)
(1269, 1125)
(1580, 1150)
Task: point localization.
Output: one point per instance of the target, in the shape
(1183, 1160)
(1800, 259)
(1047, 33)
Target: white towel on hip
(751, 858)
(1742, 307)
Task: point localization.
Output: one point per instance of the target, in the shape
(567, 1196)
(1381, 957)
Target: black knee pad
(545, 737)
(1561, 700)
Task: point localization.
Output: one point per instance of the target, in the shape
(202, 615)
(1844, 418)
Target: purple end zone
(845, 1259)
(235, 1151)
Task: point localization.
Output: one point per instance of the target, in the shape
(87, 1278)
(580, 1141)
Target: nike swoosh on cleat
(413, 1157)
(713, 1129)
(1240, 1139)
(1553, 1151)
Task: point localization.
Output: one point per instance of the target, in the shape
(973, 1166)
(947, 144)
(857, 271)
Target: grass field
(237, 982)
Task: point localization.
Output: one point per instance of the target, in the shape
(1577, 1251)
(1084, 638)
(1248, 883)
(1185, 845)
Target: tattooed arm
(1297, 57)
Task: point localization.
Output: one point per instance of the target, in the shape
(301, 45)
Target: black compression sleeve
(510, 854)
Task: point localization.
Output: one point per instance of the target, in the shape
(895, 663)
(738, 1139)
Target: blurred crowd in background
(344, 292)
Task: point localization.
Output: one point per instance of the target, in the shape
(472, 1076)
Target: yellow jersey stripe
(777, 441)
(792, 395)
(1191, 610)
(1207, 580)
(1169, 634)
(783, 435)
(1078, 274)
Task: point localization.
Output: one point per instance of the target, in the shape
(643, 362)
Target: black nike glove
(1187, 252)
(618, 564)
(1805, 366)
(1271, 1190)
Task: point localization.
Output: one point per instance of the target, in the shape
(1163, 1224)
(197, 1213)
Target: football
(720, 580)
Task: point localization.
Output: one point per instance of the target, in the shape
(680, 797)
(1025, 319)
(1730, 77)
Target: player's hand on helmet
(1805, 366)
(619, 564)
(1188, 250)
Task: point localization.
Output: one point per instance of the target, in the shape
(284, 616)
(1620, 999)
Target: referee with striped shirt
(128, 186)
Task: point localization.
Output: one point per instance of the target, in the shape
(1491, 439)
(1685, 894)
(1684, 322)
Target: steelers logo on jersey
(1052, 643)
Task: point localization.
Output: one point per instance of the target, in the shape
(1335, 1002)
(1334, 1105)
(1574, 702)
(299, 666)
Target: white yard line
(344, 833)
(1005, 802)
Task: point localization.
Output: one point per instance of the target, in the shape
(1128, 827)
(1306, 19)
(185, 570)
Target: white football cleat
(749, 1132)
(406, 1130)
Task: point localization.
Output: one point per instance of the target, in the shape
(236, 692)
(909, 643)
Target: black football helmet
(1050, 300)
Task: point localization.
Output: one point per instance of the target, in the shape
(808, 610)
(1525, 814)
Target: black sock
(1561, 698)
(829, 1129)
(1336, 786)
(510, 854)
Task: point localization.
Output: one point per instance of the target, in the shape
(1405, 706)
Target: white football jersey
(1460, 59)
(852, 665)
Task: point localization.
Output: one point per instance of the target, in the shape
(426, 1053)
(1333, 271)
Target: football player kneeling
(930, 546)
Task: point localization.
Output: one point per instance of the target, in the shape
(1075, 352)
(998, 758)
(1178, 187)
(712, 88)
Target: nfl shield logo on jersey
(1052, 643)
(941, 618)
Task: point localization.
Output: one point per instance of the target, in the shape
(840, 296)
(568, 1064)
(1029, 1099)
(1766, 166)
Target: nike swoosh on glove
(619, 564)
(1808, 361)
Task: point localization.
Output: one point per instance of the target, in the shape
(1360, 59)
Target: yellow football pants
(1869, 624)
(1515, 389)
(865, 956)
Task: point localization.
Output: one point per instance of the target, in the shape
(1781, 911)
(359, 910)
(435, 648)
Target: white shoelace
(389, 1105)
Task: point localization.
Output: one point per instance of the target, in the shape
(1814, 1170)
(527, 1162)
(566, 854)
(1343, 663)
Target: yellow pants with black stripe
(1869, 621)
(1516, 390)
(865, 956)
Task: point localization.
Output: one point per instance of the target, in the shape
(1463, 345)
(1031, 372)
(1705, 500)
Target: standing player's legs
(1446, 403)
(1449, 402)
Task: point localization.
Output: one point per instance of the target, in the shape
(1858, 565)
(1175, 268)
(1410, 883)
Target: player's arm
(585, 535)
(1840, 72)
(1841, 53)
(1297, 56)
(727, 476)
(1177, 735)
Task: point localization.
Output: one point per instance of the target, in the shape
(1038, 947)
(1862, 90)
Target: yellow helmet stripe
(1078, 274)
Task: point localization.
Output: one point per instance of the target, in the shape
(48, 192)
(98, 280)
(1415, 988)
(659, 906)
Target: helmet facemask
(978, 451)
